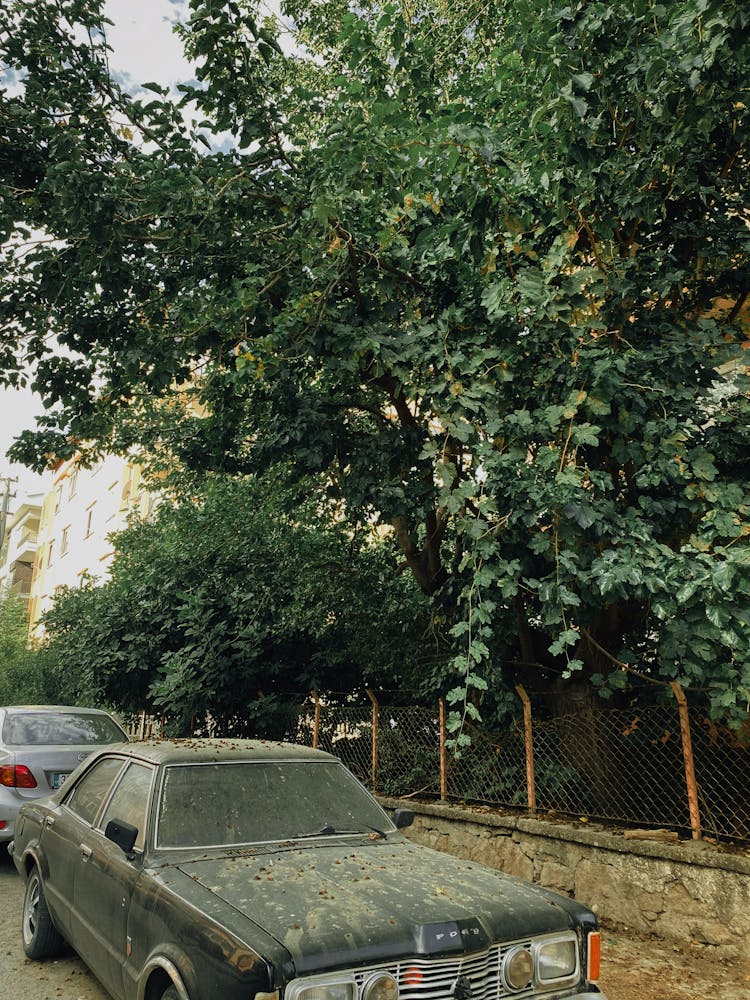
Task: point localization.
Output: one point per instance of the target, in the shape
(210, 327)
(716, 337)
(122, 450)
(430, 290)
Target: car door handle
(49, 821)
(85, 852)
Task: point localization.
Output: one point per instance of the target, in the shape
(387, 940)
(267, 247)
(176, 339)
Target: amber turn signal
(594, 956)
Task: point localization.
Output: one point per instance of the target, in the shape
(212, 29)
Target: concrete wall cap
(690, 852)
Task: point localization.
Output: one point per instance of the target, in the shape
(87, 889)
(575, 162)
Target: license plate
(58, 778)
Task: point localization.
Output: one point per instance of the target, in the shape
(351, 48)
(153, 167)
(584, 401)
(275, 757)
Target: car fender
(192, 934)
(28, 835)
(33, 851)
(162, 962)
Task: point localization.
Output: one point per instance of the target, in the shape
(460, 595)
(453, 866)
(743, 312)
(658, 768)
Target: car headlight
(342, 990)
(556, 960)
(518, 968)
(380, 987)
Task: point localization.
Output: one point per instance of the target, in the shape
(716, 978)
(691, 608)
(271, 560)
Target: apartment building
(19, 547)
(78, 517)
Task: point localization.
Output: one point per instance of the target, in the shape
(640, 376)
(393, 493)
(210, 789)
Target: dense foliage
(485, 270)
(228, 607)
(27, 676)
(12, 626)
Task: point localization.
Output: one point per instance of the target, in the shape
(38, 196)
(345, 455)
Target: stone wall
(680, 892)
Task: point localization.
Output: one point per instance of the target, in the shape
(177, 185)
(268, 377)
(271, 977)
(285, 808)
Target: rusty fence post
(316, 720)
(375, 716)
(687, 753)
(443, 765)
(529, 741)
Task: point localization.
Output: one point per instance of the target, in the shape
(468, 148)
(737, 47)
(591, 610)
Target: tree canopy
(485, 271)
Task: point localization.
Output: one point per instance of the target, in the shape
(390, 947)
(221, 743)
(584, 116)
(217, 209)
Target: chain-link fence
(722, 766)
(656, 765)
(621, 765)
(624, 766)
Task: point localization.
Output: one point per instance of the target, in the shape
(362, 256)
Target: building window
(89, 521)
(73, 484)
(58, 498)
(50, 549)
(64, 542)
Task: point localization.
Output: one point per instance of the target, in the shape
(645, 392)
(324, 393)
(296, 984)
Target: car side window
(88, 794)
(130, 800)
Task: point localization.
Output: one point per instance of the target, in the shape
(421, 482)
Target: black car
(233, 870)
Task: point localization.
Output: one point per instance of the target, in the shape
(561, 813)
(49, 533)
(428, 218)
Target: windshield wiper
(332, 831)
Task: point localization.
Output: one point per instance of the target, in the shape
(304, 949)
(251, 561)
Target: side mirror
(121, 833)
(403, 818)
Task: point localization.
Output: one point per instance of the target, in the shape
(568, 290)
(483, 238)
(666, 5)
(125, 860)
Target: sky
(144, 49)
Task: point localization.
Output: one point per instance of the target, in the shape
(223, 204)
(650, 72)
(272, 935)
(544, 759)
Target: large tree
(486, 271)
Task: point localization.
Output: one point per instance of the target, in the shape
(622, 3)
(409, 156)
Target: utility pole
(7, 497)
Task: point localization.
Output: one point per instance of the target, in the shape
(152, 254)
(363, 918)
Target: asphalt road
(65, 978)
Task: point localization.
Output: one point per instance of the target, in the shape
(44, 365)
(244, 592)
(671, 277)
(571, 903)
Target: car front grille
(440, 976)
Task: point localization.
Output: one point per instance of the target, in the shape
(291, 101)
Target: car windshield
(60, 729)
(220, 805)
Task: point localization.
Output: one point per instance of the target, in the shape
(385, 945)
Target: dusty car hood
(353, 902)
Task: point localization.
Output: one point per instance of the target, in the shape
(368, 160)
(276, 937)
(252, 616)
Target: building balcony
(23, 549)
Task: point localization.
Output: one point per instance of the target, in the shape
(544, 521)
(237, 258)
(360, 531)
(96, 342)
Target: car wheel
(170, 993)
(41, 939)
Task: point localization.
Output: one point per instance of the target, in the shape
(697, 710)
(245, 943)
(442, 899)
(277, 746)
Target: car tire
(41, 939)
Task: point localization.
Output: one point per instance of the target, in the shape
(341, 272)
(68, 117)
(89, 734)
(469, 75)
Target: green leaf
(583, 81)
(323, 209)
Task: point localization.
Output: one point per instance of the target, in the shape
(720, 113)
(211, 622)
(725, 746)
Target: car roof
(211, 751)
(77, 709)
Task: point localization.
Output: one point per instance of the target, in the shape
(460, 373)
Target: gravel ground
(633, 968)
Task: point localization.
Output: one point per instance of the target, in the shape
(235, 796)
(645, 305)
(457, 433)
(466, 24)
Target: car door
(62, 834)
(105, 878)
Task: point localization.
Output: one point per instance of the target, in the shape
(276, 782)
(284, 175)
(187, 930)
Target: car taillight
(16, 776)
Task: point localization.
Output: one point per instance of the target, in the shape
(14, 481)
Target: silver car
(39, 747)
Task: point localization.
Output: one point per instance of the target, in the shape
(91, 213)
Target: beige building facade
(78, 517)
(20, 541)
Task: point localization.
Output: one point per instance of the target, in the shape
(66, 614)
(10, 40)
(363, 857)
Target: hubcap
(31, 907)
